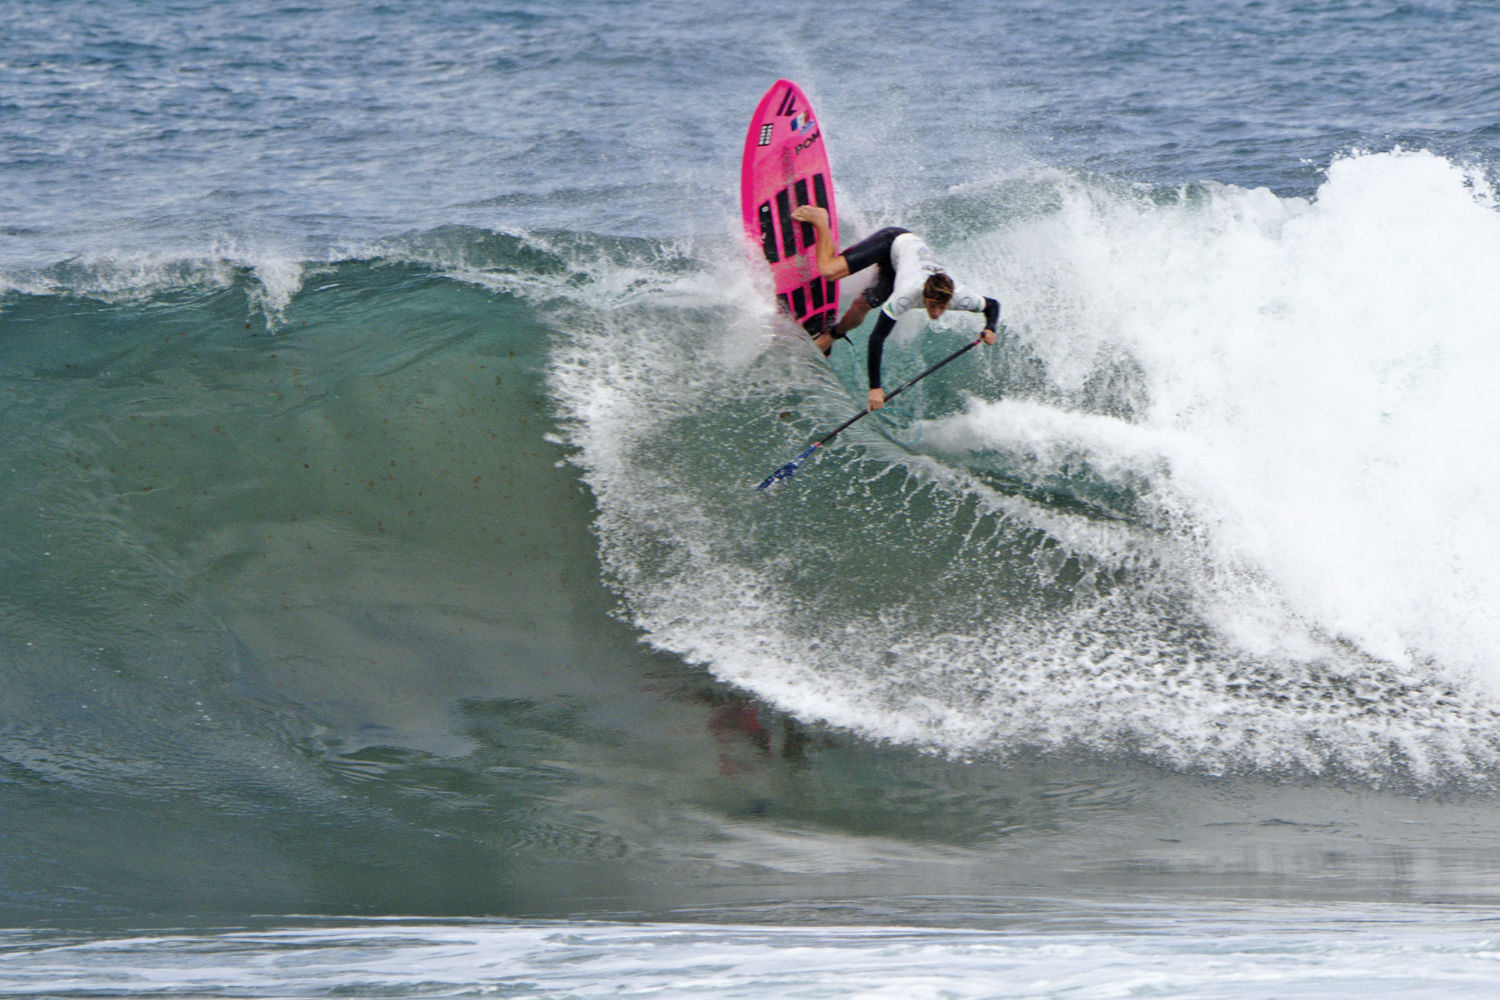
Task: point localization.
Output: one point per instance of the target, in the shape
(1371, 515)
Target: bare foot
(811, 213)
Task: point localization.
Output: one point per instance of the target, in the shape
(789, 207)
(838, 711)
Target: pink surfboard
(786, 165)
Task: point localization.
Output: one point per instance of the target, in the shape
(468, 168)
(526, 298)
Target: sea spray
(1312, 370)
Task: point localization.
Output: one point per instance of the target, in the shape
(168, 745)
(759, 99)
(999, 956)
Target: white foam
(1094, 951)
(124, 276)
(1323, 368)
(278, 280)
(138, 276)
(1050, 435)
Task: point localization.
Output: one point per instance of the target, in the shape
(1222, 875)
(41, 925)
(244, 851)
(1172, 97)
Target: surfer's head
(936, 294)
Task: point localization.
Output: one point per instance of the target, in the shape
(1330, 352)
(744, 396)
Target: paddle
(790, 468)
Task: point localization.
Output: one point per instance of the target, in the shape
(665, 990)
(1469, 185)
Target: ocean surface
(386, 607)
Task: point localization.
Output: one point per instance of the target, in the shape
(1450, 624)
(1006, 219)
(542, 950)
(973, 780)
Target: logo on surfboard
(807, 142)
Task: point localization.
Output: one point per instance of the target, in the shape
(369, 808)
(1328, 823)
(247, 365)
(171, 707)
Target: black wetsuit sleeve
(883, 327)
(991, 314)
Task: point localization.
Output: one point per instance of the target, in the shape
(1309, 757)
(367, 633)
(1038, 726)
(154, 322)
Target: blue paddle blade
(787, 470)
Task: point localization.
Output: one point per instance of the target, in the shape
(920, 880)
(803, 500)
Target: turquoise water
(384, 587)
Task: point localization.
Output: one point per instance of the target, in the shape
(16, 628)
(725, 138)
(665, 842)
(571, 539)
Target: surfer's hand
(877, 398)
(988, 336)
(811, 213)
(824, 342)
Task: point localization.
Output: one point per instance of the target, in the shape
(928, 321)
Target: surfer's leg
(853, 316)
(831, 264)
(873, 249)
(872, 297)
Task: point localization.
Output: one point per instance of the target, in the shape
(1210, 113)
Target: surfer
(908, 271)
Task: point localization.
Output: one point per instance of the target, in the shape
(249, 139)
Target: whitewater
(1269, 550)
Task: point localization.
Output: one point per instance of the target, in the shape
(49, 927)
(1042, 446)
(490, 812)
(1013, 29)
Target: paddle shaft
(896, 392)
(787, 470)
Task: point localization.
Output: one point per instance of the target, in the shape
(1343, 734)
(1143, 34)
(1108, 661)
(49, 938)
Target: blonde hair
(939, 288)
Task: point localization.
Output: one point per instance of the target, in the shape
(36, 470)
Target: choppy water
(1104, 954)
(383, 586)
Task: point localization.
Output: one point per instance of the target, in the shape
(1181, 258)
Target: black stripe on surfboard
(768, 233)
(820, 191)
(788, 230)
(809, 234)
(819, 323)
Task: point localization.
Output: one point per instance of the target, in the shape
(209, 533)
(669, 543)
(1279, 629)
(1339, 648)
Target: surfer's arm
(991, 320)
(884, 324)
(831, 263)
(981, 304)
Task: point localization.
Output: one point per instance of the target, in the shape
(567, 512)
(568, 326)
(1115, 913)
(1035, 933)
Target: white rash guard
(914, 262)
